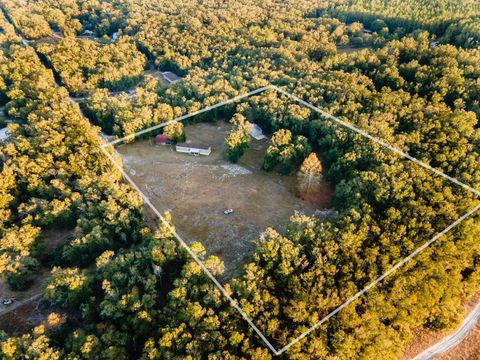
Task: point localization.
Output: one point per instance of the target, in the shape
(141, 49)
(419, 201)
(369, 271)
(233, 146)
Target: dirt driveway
(197, 189)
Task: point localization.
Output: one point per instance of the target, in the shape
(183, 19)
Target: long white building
(193, 149)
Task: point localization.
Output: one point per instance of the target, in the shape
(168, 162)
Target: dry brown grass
(196, 190)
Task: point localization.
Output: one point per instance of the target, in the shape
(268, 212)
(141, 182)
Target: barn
(193, 149)
(161, 139)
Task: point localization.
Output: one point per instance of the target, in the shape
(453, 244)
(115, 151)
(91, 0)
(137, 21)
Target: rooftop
(161, 137)
(4, 134)
(194, 146)
(171, 77)
(256, 132)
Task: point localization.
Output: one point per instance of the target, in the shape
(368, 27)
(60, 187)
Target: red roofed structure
(162, 139)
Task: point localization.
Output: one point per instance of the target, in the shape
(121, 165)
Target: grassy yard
(197, 189)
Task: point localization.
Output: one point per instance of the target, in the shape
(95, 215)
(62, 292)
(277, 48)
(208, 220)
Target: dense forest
(122, 289)
(452, 21)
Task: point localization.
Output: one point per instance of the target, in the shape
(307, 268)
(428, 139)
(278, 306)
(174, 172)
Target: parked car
(8, 301)
(228, 211)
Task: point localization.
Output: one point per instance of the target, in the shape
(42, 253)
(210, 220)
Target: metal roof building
(4, 134)
(171, 77)
(256, 132)
(193, 149)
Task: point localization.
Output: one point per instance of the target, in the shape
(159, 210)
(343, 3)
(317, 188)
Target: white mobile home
(193, 149)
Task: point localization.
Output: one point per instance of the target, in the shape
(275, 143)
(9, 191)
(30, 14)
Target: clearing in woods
(25, 312)
(197, 189)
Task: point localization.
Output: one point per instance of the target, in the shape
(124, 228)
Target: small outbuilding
(161, 139)
(171, 77)
(193, 149)
(4, 134)
(114, 37)
(256, 132)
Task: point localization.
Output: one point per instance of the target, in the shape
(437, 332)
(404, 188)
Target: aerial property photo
(240, 180)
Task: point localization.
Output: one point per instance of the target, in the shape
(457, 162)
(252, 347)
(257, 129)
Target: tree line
(54, 174)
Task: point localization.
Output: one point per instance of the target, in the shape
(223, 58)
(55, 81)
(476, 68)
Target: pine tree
(238, 141)
(309, 175)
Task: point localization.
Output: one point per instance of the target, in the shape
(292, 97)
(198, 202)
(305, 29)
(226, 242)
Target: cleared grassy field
(197, 189)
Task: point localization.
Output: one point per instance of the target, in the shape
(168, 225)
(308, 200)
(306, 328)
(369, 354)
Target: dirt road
(16, 304)
(454, 339)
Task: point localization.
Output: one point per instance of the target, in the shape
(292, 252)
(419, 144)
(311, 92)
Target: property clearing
(23, 316)
(21, 297)
(198, 189)
(156, 74)
(348, 49)
(24, 313)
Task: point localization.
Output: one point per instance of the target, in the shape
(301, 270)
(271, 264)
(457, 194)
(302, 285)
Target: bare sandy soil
(197, 189)
(24, 317)
(469, 348)
(36, 287)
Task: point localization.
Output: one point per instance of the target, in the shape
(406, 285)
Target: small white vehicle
(8, 301)
(228, 211)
